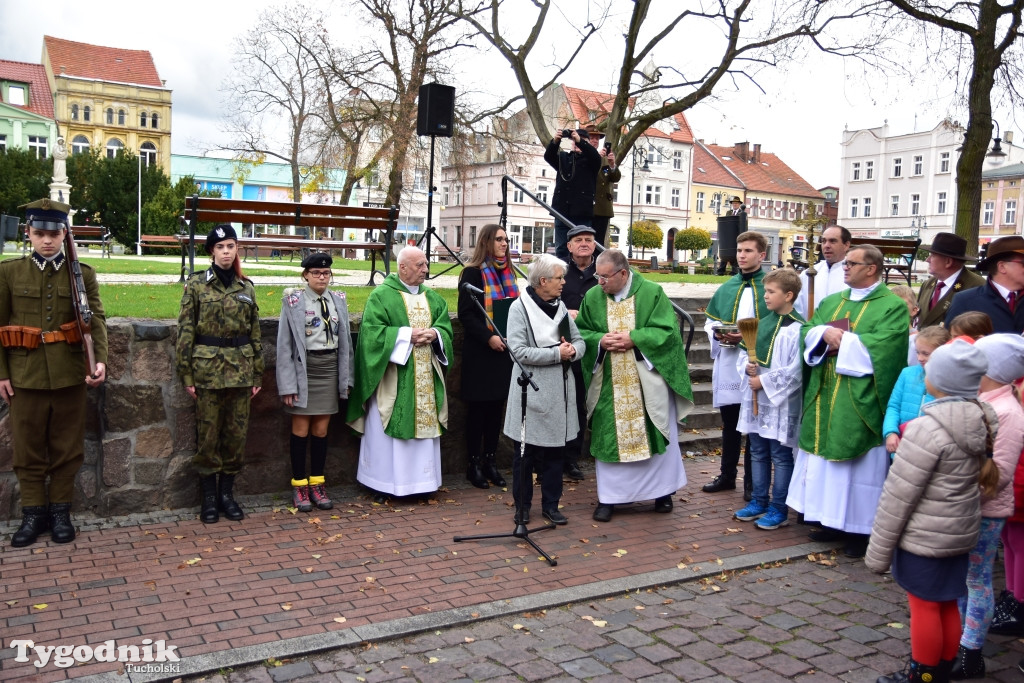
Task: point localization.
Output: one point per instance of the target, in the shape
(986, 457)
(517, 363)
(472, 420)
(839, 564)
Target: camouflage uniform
(48, 410)
(223, 375)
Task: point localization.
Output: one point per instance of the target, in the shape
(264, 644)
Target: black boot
(225, 499)
(490, 470)
(208, 511)
(1009, 617)
(968, 664)
(475, 474)
(34, 521)
(61, 529)
(570, 461)
(915, 673)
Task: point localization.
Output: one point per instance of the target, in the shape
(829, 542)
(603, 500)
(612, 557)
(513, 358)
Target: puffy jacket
(931, 502)
(906, 400)
(1006, 451)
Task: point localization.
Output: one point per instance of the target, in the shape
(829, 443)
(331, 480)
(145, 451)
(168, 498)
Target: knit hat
(1005, 354)
(956, 369)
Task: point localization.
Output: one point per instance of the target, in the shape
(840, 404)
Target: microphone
(470, 289)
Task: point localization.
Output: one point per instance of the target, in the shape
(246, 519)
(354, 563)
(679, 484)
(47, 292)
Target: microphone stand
(524, 380)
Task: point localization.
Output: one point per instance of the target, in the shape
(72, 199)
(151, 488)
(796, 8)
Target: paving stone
(689, 669)
(801, 648)
(630, 637)
(536, 669)
(785, 665)
(657, 653)
(677, 637)
(613, 653)
(585, 667)
(290, 672)
(784, 621)
(748, 649)
(635, 669)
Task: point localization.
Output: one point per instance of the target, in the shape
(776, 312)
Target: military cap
(46, 214)
(219, 234)
(317, 259)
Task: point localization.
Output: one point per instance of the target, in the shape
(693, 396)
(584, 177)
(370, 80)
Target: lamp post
(917, 224)
(996, 155)
(643, 172)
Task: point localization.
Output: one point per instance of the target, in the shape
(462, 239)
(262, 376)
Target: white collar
(856, 294)
(622, 293)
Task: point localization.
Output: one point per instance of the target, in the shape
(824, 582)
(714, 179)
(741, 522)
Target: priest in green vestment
(398, 401)
(638, 387)
(856, 345)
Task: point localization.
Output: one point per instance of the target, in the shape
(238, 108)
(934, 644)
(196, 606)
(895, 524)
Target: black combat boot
(225, 499)
(61, 529)
(916, 673)
(34, 521)
(475, 474)
(969, 663)
(490, 470)
(208, 512)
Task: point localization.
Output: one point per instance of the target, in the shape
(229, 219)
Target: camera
(567, 134)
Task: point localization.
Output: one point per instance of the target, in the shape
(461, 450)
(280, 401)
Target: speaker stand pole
(431, 231)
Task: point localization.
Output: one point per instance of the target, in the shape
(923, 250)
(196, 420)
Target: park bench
(377, 224)
(85, 235)
(899, 254)
(161, 241)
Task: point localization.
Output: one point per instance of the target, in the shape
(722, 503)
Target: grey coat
(291, 347)
(931, 501)
(551, 412)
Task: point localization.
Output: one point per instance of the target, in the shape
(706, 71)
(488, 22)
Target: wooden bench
(899, 254)
(378, 223)
(85, 235)
(161, 241)
(273, 243)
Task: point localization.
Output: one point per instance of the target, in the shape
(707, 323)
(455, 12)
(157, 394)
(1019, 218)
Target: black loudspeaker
(436, 114)
(728, 231)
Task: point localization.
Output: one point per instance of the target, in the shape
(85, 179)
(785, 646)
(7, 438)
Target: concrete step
(704, 416)
(701, 441)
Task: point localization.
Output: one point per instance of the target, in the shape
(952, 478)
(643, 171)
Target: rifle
(83, 315)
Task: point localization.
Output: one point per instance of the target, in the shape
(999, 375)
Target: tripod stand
(431, 230)
(524, 380)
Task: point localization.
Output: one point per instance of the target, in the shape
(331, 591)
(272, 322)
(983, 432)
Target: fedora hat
(1000, 249)
(948, 244)
(735, 200)
(592, 130)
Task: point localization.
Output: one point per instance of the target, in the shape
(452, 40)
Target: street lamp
(917, 224)
(643, 172)
(996, 154)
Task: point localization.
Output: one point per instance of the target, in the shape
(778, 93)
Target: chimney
(756, 158)
(739, 151)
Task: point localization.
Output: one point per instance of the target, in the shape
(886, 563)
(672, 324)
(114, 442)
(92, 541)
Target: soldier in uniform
(43, 372)
(220, 361)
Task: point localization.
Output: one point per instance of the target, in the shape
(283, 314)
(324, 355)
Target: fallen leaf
(12, 603)
(695, 546)
(516, 627)
(587, 618)
(193, 561)
(41, 605)
(600, 623)
(308, 570)
(317, 557)
(639, 607)
(179, 537)
(469, 640)
(151, 584)
(286, 606)
(472, 614)
(681, 565)
(433, 660)
(370, 579)
(894, 624)
(340, 620)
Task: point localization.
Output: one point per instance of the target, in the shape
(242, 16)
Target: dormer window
(17, 94)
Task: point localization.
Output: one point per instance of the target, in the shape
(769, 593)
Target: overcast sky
(801, 118)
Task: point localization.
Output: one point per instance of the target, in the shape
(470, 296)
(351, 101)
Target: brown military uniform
(48, 408)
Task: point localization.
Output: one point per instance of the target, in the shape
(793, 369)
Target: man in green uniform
(638, 387)
(43, 372)
(398, 401)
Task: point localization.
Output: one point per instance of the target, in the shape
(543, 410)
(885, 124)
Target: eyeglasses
(501, 239)
(321, 274)
(851, 264)
(560, 277)
(606, 278)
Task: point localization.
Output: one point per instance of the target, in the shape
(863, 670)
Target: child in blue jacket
(909, 394)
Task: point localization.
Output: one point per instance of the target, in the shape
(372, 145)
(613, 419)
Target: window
(120, 117)
(988, 213)
(918, 165)
(856, 171)
(87, 113)
(37, 145)
(716, 203)
(153, 121)
(778, 208)
(869, 170)
(1010, 215)
(114, 147)
(867, 207)
(74, 112)
(944, 162)
(143, 120)
(897, 167)
(148, 153)
(700, 202)
(444, 196)
(894, 205)
(517, 195)
(915, 205)
(853, 208)
(472, 236)
(542, 193)
(419, 181)
(458, 195)
(80, 145)
(615, 193)
(110, 116)
(941, 204)
(652, 195)
(16, 95)
(3, 144)
(675, 198)
(754, 206)
(677, 160)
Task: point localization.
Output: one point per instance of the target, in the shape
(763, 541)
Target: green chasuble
(726, 299)
(620, 408)
(386, 311)
(842, 417)
(768, 328)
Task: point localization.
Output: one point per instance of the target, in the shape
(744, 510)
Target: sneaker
(318, 496)
(753, 511)
(300, 498)
(773, 519)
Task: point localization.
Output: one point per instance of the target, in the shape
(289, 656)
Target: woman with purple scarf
(486, 367)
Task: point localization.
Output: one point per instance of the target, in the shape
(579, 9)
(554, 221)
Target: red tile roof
(583, 102)
(766, 173)
(707, 169)
(101, 63)
(40, 100)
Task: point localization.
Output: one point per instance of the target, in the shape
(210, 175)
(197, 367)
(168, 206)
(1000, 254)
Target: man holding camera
(606, 179)
(575, 183)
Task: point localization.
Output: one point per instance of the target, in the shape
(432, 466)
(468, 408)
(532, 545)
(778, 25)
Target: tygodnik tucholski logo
(149, 657)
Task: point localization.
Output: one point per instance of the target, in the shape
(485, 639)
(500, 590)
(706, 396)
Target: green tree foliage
(646, 235)
(105, 190)
(692, 239)
(23, 179)
(160, 214)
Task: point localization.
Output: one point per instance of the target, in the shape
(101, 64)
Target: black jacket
(486, 373)
(575, 180)
(577, 282)
(987, 300)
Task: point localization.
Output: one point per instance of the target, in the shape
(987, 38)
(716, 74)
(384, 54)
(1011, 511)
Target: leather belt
(322, 352)
(231, 342)
(23, 336)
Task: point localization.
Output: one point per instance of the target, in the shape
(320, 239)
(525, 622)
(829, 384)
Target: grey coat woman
(291, 347)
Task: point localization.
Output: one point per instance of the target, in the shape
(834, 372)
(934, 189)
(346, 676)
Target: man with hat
(43, 372)
(575, 184)
(579, 278)
(1001, 298)
(946, 258)
(609, 175)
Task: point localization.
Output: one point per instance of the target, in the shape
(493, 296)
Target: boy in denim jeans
(776, 377)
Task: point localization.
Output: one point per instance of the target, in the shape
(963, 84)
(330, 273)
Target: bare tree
(276, 79)
(982, 39)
